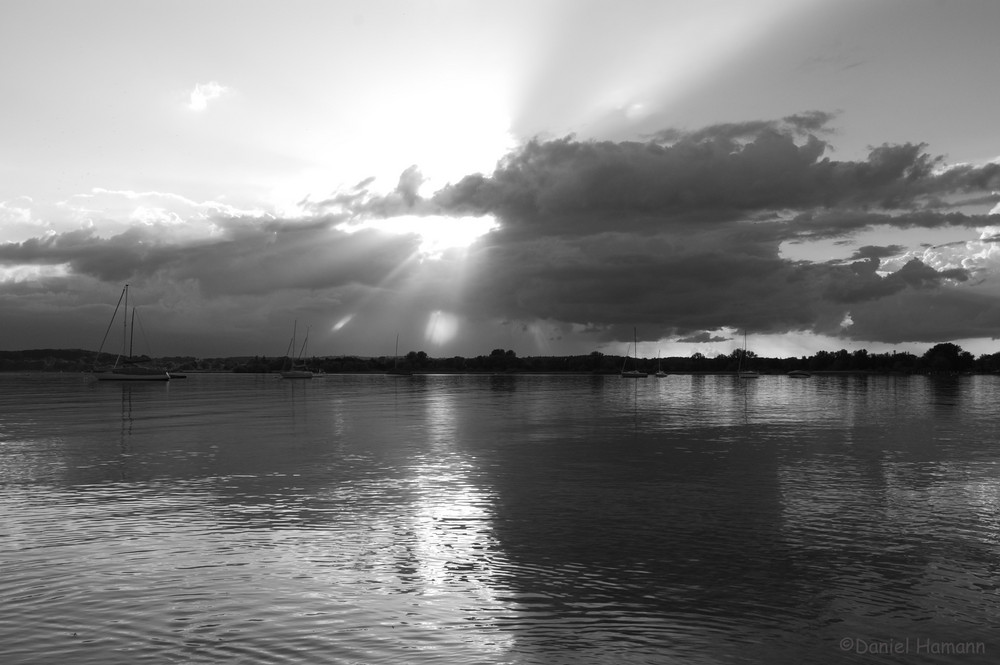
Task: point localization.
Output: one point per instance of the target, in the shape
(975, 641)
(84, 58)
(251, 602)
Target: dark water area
(499, 519)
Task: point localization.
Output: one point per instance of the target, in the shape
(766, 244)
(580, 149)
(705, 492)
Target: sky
(551, 177)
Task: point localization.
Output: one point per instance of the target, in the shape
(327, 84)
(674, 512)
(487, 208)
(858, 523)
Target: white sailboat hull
(297, 374)
(131, 375)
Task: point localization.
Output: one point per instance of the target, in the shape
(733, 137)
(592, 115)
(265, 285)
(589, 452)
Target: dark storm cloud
(250, 255)
(714, 175)
(682, 234)
(582, 187)
(930, 316)
(268, 257)
(838, 223)
(136, 251)
(860, 282)
(703, 338)
(668, 287)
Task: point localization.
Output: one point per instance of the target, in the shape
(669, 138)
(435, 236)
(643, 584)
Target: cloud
(719, 174)
(703, 338)
(877, 252)
(247, 256)
(203, 93)
(861, 282)
(929, 316)
(16, 211)
(681, 234)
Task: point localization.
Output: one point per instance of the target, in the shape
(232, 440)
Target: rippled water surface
(511, 519)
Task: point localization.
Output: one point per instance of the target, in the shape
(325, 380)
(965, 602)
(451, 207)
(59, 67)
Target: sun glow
(204, 93)
(437, 233)
(449, 132)
(441, 327)
(32, 273)
(343, 322)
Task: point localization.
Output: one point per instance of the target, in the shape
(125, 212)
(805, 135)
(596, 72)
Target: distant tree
(500, 360)
(947, 357)
(904, 362)
(988, 362)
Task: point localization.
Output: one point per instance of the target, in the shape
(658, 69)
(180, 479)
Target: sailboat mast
(395, 363)
(739, 362)
(305, 343)
(635, 340)
(131, 336)
(125, 322)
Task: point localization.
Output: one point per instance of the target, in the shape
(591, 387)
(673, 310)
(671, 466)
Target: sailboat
(745, 373)
(126, 367)
(659, 370)
(297, 369)
(396, 369)
(633, 373)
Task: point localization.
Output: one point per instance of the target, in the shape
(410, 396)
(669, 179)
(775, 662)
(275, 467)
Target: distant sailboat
(127, 367)
(396, 370)
(659, 370)
(297, 369)
(745, 373)
(633, 373)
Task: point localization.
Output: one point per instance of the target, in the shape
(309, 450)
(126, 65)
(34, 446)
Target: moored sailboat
(296, 369)
(740, 371)
(659, 369)
(396, 370)
(126, 367)
(633, 373)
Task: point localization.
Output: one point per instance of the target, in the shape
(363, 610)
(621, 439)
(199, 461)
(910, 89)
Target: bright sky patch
(437, 233)
(441, 327)
(204, 93)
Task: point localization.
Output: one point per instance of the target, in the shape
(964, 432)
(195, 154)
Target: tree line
(940, 358)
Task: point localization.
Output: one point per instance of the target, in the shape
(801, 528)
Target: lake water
(499, 519)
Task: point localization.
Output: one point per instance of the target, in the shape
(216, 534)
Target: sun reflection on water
(455, 551)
